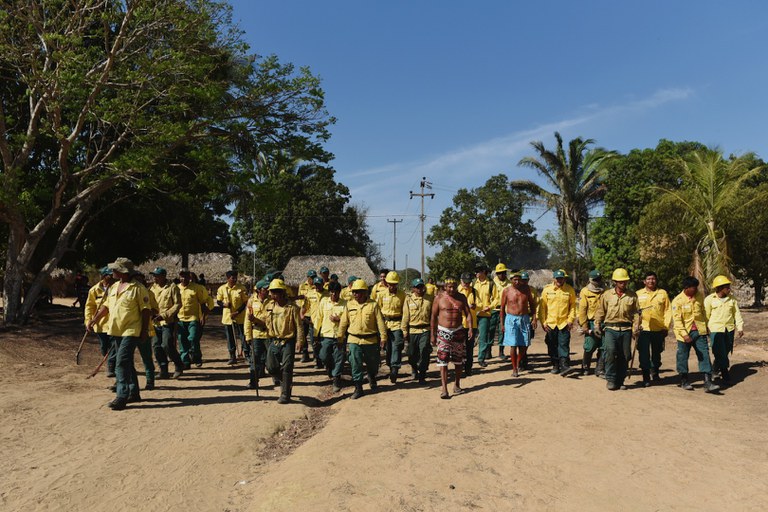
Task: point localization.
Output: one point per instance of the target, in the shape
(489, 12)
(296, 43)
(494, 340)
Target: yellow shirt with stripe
(126, 302)
(363, 323)
(346, 294)
(687, 312)
(255, 308)
(557, 306)
(168, 301)
(304, 287)
(155, 308)
(587, 307)
(236, 297)
(283, 322)
(311, 301)
(723, 313)
(93, 304)
(326, 327)
(471, 294)
(391, 306)
(417, 314)
(613, 308)
(486, 297)
(655, 309)
(378, 288)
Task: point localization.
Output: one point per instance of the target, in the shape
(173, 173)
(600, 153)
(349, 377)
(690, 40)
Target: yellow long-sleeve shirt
(499, 286)
(487, 296)
(92, 304)
(723, 313)
(587, 307)
(234, 298)
(378, 288)
(417, 314)
(471, 294)
(391, 306)
(613, 309)
(687, 313)
(283, 322)
(168, 301)
(126, 303)
(326, 326)
(346, 294)
(304, 287)
(655, 309)
(193, 298)
(363, 323)
(557, 306)
(255, 308)
(312, 299)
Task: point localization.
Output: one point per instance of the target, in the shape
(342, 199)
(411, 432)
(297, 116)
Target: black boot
(285, 387)
(726, 376)
(358, 390)
(684, 382)
(305, 354)
(337, 384)
(413, 373)
(564, 366)
(709, 386)
(655, 375)
(555, 366)
(600, 367)
(232, 358)
(372, 381)
(163, 372)
(178, 370)
(586, 362)
(252, 380)
(646, 378)
(393, 375)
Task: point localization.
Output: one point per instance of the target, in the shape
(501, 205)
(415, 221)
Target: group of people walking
(361, 325)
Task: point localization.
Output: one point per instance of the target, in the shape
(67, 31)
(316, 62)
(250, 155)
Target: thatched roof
(214, 265)
(344, 266)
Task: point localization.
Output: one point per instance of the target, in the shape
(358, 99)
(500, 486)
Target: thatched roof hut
(344, 266)
(214, 265)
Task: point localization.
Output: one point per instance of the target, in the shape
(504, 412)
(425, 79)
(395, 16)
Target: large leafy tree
(302, 210)
(574, 187)
(629, 181)
(748, 228)
(485, 226)
(103, 97)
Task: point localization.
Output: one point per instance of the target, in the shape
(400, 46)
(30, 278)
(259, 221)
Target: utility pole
(394, 244)
(424, 184)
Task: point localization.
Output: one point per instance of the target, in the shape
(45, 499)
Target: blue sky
(455, 90)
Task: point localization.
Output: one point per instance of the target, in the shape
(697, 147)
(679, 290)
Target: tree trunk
(759, 284)
(184, 260)
(13, 284)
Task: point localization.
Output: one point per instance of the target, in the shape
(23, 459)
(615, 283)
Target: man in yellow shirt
(329, 312)
(725, 320)
(415, 326)
(381, 285)
(128, 309)
(588, 299)
(256, 333)
(616, 319)
(364, 327)
(346, 292)
(232, 298)
(468, 291)
(309, 317)
(96, 298)
(487, 296)
(524, 279)
(430, 289)
(690, 323)
(557, 312)
(656, 312)
(500, 281)
(194, 301)
(304, 288)
(391, 304)
(168, 304)
(283, 320)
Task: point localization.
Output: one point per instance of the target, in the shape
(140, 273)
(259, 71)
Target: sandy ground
(537, 442)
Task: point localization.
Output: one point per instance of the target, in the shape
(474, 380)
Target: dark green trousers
(419, 350)
(493, 327)
(484, 341)
(722, 345)
(280, 357)
(558, 343)
(700, 347)
(145, 350)
(363, 354)
(650, 345)
(164, 346)
(332, 355)
(617, 348)
(188, 340)
(259, 347)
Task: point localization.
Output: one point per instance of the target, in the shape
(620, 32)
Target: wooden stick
(77, 354)
(93, 374)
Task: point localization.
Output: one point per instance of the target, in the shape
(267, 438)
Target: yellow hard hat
(720, 281)
(359, 285)
(500, 268)
(277, 284)
(392, 278)
(620, 274)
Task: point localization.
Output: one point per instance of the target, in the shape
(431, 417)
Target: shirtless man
(449, 335)
(517, 309)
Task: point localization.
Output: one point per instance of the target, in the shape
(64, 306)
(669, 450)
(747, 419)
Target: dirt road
(537, 442)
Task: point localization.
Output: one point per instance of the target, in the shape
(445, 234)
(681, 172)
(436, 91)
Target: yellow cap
(500, 268)
(359, 285)
(392, 278)
(620, 274)
(720, 281)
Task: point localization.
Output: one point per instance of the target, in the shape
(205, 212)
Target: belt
(618, 324)
(393, 317)
(419, 326)
(282, 341)
(364, 335)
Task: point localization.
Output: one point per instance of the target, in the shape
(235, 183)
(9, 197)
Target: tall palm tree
(710, 193)
(576, 186)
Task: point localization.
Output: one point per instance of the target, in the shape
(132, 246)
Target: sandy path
(539, 442)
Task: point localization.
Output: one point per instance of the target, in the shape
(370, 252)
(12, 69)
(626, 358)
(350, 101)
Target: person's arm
(468, 314)
(433, 322)
(502, 310)
(532, 308)
(600, 315)
(667, 311)
(571, 308)
(405, 320)
(738, 319)
(381, 326)
(582, 311)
